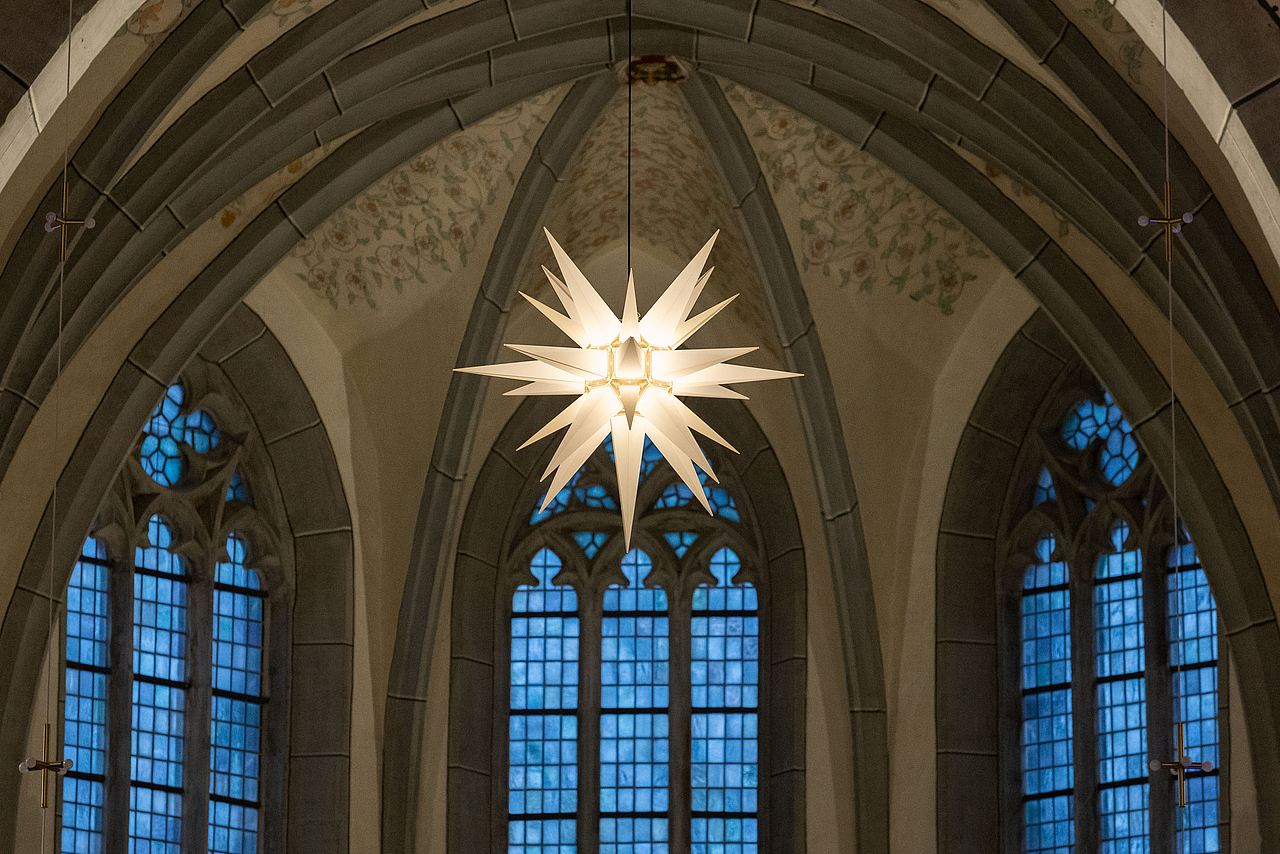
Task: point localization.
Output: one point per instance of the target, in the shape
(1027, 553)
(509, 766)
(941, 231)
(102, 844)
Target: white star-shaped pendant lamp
(628, 376)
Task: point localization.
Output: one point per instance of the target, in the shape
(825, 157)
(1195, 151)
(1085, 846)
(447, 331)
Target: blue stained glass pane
(575, 492)
(675, 495)
(235, 721)
(680, 542)
(634, 745)
(557, 505)
(724, 676)
(1089, 422)
(1046, 623)
(233, 572)
(1050, 824)
(85, 711)
(1124, 819)
(723, 504)
(159, 653)
(155, 821)
(649, 459)
(591, 541)
(1119, 646)
(157, 734)
(1048, 772)
(543, 745)
(1044, 487)
(679, 495)
(1193, 656)
(238, 490)
(233, 828)
(200, 432)
(81, 815)
(160, 456)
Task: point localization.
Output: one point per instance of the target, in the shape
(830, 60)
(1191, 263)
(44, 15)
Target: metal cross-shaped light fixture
(45, 766)
(53, 222)
(1182, 766)
(1171, 225)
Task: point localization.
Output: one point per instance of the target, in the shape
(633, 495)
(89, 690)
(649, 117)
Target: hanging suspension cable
(629, 87)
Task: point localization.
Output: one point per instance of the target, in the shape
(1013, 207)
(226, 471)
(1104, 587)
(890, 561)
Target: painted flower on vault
(424, 218)
(676, 190)
(860, 224)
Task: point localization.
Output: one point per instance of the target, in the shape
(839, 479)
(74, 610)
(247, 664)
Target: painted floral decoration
(1127, 44)
(155, 18)
(426, 214)
(860, 222)
(678, 199)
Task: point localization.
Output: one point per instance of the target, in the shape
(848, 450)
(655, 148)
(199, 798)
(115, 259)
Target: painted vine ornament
(628, 376)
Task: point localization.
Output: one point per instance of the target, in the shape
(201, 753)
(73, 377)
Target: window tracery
(165, 700)
(633, 678)
(1116, 643)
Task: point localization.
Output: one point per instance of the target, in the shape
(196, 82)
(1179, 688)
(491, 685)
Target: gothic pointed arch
(506, 542)
(1031, 487)
(229, 473)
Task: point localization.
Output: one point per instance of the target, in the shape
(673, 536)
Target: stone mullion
(115, 806)
(1224, 743)
(679, 713)
(196, 729)
(1159, 686)
(1083, 705)
(590, 610)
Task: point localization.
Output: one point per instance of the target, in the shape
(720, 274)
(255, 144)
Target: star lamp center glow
(628, 375)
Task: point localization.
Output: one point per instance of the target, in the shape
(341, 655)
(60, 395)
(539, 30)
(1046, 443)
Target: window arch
(166, 687)
(1115, 637)
(631, 708)
(664, 662)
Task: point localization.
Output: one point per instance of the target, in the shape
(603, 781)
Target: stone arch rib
(318, 528)
(440, 508)
(506, 484)
(1074, 304)
(890, 60)
(846, 544)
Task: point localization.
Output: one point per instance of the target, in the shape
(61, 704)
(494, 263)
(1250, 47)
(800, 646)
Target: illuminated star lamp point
(628, 376)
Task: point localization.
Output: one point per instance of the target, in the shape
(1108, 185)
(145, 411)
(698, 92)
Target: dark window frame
(1082, 534)
(497, 518)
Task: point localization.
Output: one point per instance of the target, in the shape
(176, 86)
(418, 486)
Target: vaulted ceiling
(883, 157)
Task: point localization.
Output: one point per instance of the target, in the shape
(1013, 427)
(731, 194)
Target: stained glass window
(650, 680)
(1193, 661)
(160, 454)
(1131, 711)
(238, 490)
(680, 541)
(85, 712)
(163, 686)
(542, 777)
(590, 541)
(1119, 646)
(679, 495)
(1044, 487)
(576, 491)
(634, 696)
(1048, 775)
(236, 713)
(1090, 422)
(159, 695)
(725, 676)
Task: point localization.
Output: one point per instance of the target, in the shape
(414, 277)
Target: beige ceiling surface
(424, 226)
(678, 201)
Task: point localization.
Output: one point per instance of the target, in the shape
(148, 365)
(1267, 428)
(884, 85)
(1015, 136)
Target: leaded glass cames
(1117, 643)
(656, 744)
(163, 672)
